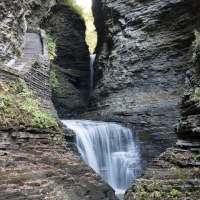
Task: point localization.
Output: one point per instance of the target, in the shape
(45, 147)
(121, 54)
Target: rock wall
(11, 30)
(71, 64)
(36, 11)
(36, 166)
(16, 17)
(175, 173)
(34, 161)
(141, 64)
(147, 60)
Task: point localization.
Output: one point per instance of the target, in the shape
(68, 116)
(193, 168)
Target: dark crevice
(70, 66)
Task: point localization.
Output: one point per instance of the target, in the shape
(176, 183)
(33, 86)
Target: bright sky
(86, 4)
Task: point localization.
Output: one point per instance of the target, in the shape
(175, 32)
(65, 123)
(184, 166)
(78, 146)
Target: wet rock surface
(36, 11)
(144, 66)
(143, 56)
(35, 165)
(17, 17)
(34, 161)
(175, 173)
(141, 64)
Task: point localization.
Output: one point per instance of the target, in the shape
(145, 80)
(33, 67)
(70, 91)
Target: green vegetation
(196, 95)
(54, 80)
(51, 42)
(196, 44)
(175, 193)
(153, 189)
(196, 157)
(19, 107)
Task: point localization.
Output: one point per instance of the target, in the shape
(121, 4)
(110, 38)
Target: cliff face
(36, 11)
(141, 64)
(11, 38)
(70, 69)
(16, 17)
(175, 174)
(34, 161)
(71, 63)
(147, 60)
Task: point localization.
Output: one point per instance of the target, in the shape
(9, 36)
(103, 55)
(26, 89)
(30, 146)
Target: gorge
(132, 107)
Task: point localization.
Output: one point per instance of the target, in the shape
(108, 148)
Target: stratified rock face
(34, 163)
(71, 65)
(141, 64)
(36, 11)
(11, 30)
(175, 174)
(16, 17)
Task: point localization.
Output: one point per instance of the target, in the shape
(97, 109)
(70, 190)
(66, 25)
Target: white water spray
(109, 149)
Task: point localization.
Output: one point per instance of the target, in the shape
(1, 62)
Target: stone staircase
(34, 67)
(32, 48)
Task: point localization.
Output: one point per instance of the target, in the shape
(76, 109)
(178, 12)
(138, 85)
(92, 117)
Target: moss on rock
(196, 95)
(19, 107)
(51, 43)
(54, 80)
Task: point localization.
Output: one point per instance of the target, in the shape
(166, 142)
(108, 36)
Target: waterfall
(109, 149)
(92, 59)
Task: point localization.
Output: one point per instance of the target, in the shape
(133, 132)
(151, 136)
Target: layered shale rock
(141, 65)
(70, 67)
(35, 165)
(12, 30)
(34, 161)
(16, 17)
(36, 11)
(175, 174)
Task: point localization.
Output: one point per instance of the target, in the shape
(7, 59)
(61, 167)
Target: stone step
(188, 144)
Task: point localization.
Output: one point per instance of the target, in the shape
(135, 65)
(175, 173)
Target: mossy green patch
(181, 174)
(196, 157)
(196, 45)
(51, 42)
(174, 193)
(19, 107)
(54, 80)
(196, 95)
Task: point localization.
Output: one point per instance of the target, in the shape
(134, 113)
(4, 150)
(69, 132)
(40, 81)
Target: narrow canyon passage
(99, 100)
(110, 149)
(128, 83)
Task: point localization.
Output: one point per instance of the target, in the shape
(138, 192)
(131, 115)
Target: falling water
(109, 149)
(92, 59)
